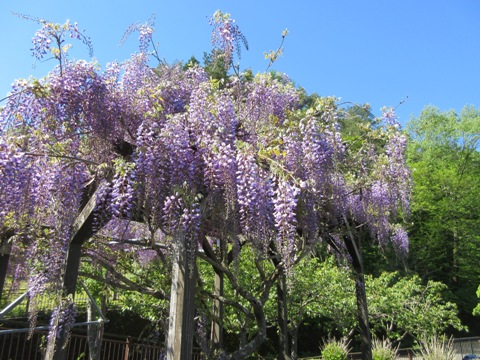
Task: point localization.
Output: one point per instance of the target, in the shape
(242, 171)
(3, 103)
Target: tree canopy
(444, 158)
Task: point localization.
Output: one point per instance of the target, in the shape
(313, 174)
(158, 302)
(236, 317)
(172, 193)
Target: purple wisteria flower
(50, 38)
(400, 239)
(226, 36)
(145, 33)
(285, 203)
(146, 256)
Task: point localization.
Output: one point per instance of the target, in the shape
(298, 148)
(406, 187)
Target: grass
(436, 348)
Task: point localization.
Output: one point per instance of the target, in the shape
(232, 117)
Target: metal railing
(20, 345)
(465, 346)
(45, 303)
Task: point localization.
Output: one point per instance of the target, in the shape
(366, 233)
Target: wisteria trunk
(354, 248)
(362, 314)
(283, 353)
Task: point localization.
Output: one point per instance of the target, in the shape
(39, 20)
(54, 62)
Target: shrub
(335, 350)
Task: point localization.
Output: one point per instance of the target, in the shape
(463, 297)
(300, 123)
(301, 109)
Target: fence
(45, 303)
(22, 345)
(19, 344)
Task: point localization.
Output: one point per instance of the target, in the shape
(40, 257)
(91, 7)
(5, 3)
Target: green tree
(445, 162)
(401, 306)
(476, 311)
(214, 66)
(320, 289)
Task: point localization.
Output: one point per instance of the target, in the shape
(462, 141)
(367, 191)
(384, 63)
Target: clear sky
(375, 51)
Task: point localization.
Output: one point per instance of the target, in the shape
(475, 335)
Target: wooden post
(5, 248)
(182, 302)
(216, 336)
(127, 348)
(216, 339)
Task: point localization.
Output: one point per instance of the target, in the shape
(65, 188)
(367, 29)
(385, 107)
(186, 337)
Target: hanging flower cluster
(50, 38)
(226, 36)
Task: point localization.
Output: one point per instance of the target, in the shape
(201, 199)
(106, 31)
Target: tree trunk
(245, 351)
(455, 255)
(58, 341)
(294, 337)
(56, 345)
(354, 249)
(243, 335)
(283, 353)
(362, 315)
(182, 303)
(257, 304)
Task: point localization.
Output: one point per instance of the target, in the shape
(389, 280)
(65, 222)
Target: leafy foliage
(444, 158)
(404, 305)
(335, 350)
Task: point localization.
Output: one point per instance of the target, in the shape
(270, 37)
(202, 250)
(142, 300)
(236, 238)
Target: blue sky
(375, 51)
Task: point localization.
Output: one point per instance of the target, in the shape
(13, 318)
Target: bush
(335, 350)
(382, 350)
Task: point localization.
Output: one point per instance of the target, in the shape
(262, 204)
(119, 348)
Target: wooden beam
(82, 228)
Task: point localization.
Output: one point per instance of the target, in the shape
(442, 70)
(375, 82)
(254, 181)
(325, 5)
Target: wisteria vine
(168, 147)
